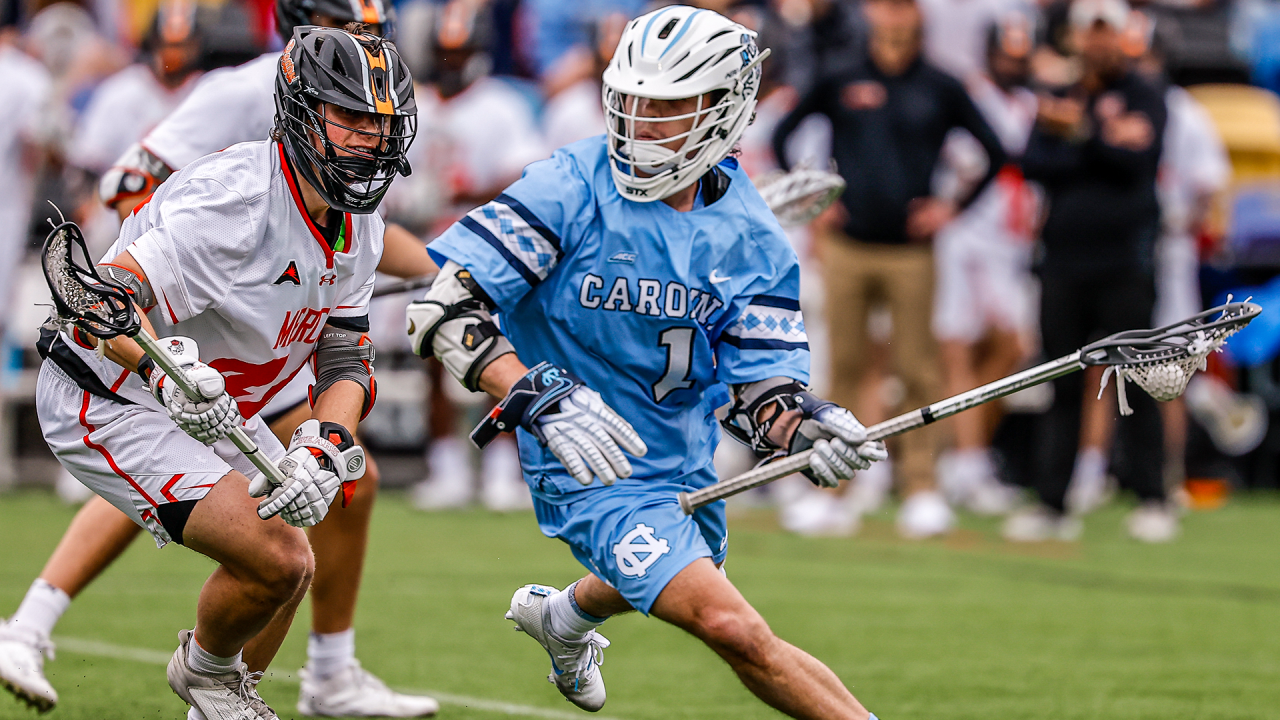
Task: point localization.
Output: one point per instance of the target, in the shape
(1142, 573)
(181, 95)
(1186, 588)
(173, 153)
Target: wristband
(146, 366)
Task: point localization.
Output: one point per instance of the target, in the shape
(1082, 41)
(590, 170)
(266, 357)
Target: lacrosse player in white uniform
(262, 258)
(983, 311)
(230, 106)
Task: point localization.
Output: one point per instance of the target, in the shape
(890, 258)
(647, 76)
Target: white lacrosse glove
(322, 457)
(571, 420)
(207, 419)
(839, 441)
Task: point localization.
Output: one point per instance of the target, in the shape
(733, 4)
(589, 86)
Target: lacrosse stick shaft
(238, 436)
(765, 474)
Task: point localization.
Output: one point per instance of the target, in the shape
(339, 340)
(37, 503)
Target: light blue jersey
(654, 309)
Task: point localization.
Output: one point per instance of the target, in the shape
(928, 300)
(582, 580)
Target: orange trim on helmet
(371, 16)
(382, 105)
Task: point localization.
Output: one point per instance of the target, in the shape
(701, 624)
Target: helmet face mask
(677, 96)
(346, 120)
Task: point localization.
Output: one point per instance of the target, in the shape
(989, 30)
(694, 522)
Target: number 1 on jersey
(679, 344)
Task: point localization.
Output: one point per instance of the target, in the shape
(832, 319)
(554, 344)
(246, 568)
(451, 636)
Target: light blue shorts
(634, 535)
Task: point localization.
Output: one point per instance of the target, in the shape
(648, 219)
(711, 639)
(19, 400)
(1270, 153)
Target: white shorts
(980, 283)
(134, 456)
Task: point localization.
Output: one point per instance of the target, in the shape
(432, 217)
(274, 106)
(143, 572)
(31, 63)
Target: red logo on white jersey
(328, 279)
(302, 325)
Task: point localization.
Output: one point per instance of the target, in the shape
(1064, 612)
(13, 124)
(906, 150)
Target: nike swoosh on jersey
(716, 280)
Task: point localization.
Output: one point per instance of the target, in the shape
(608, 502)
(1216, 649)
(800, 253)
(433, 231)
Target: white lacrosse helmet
(674, 53)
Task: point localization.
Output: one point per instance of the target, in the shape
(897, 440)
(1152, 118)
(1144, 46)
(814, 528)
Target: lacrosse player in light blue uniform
(641, 272)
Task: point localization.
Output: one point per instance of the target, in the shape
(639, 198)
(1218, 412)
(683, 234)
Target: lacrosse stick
(1160, 361)
(104, 309)
(419, 283)
(799, 196)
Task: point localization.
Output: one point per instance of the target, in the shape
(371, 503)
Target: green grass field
(966, 627)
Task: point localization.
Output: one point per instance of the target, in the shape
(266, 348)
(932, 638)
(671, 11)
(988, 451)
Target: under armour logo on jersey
(638, 550)
(328, 279)
(290, 274)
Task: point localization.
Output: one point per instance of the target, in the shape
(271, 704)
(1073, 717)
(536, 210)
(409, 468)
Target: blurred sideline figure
(481, 133)
(1096, 149)
(889, 118)
(983, 307)
(230, 106)
(25, 90)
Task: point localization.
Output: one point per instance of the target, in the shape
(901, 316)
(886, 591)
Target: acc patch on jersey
(290, 274)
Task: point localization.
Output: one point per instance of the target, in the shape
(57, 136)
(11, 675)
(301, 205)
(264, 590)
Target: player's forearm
(125, 351)
(340, 404)
(404, 255)
(501, 374)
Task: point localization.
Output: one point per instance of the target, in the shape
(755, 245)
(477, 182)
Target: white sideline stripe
(84, 646)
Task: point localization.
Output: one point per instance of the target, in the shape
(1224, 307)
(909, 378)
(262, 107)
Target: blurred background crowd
(1022, 178)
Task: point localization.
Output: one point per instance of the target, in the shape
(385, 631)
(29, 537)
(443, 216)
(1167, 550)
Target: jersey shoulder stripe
(768, 322)
(518, 236)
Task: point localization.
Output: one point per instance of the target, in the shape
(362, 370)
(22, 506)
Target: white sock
(41, 608)
(567, 619)
(194, 714)
(330, 653)
(1091, 463)
(206, 663)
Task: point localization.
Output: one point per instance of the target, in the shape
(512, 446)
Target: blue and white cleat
(575, 666)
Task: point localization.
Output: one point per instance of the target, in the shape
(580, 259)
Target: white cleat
(820, 514)
(575, 667)
(1038, 523)
(22, 655)
(356, 692)
(450, 477)
(1153, 522)
(923, 515)
(229, 696)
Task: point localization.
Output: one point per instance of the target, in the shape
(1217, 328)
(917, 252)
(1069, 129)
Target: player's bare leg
(702, 601)
(265, 567)
(98, 534)
(333, 682)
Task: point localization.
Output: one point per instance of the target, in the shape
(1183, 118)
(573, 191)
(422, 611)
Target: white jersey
(237, 265)
(228, 106)
(24, 91)
(573, 114)
(124, 108)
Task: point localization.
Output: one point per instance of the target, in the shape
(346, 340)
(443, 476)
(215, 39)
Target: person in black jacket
(1096, 149)
(889, 116)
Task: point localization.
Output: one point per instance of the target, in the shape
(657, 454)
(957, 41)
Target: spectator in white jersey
(983, 313)
(479, 134)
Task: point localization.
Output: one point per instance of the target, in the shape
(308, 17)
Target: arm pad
(455, 323)
(344, 355)
(141, 292)
(136, 172)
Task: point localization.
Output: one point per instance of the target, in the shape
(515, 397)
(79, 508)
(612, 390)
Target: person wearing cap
(1096, 149)
(889, 117)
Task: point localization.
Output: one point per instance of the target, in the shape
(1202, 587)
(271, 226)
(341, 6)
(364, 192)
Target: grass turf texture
(966, 627)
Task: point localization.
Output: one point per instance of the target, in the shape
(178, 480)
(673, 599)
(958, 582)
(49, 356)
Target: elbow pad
(141, 292)
(344, 355)
(136, 172)
(455, 323)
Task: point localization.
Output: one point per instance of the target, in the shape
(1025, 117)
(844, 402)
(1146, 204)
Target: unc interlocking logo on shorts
(638, 550)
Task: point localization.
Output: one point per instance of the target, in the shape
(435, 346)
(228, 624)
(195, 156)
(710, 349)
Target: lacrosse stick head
(799, 196)
(81, 296)
(1162, 361)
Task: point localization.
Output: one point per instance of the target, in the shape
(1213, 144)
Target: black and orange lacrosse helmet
(377, 15)
(359, 72)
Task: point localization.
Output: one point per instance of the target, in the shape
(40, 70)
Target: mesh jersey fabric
(122, 110)
(237, 266)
